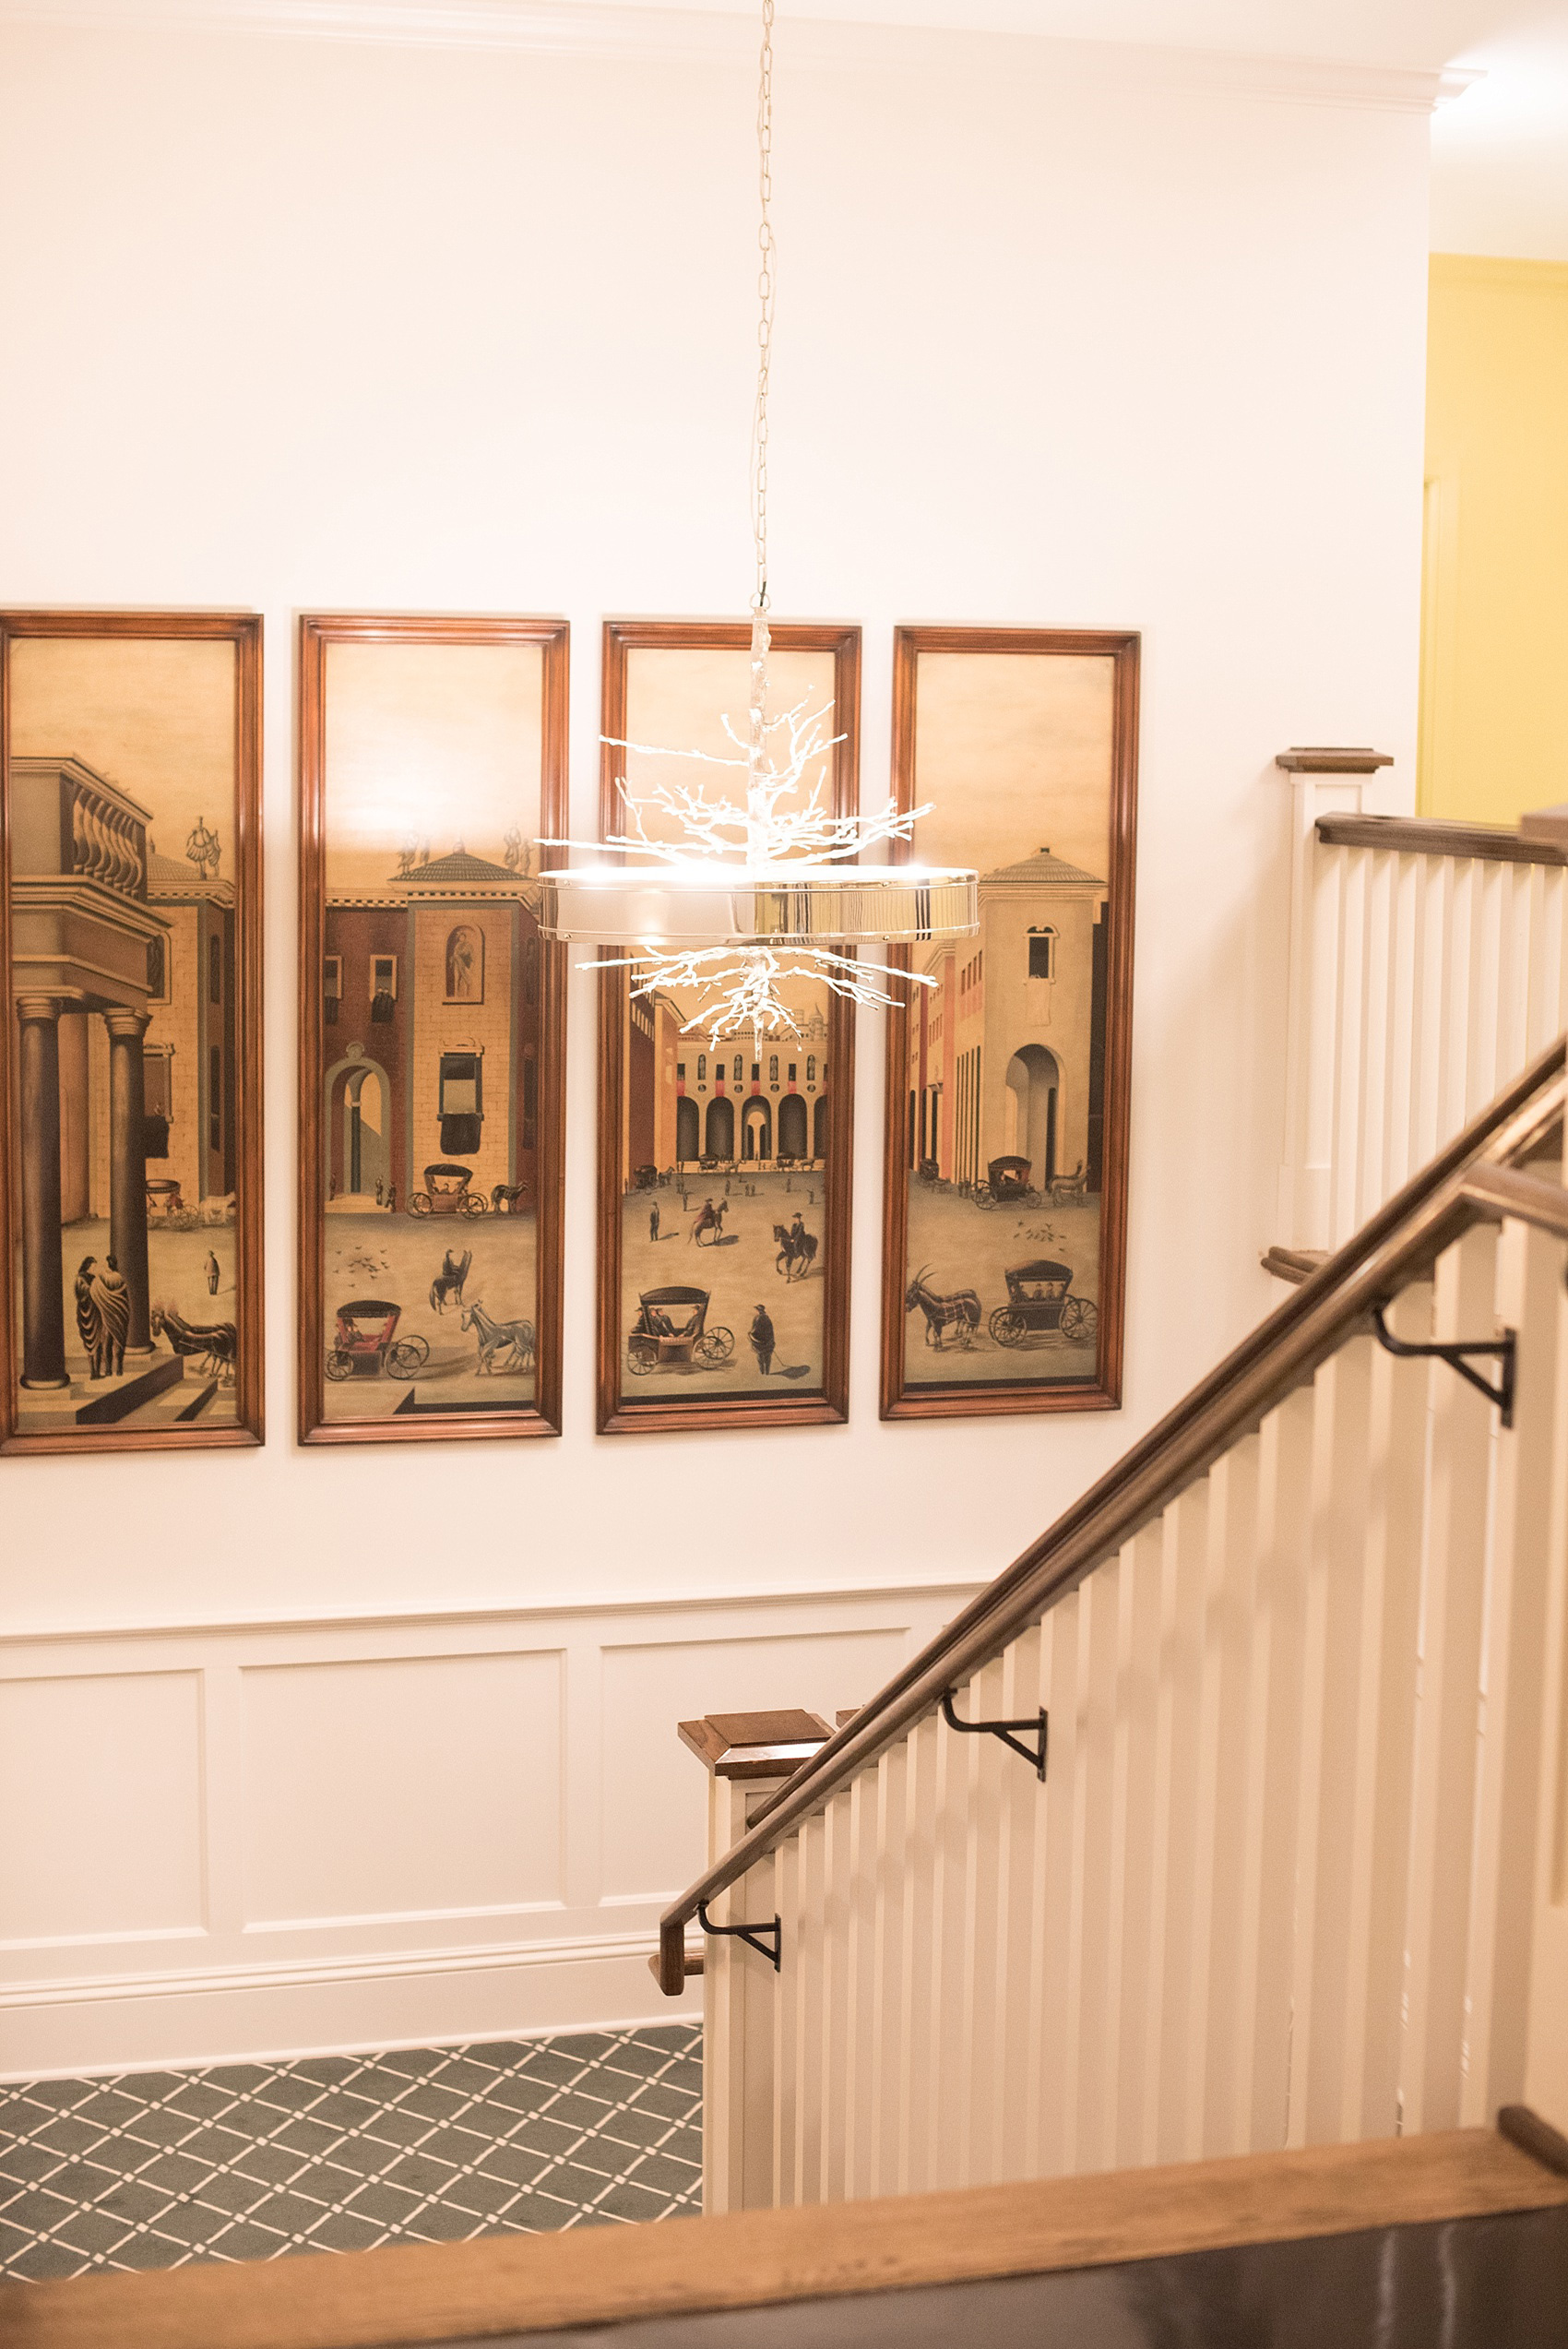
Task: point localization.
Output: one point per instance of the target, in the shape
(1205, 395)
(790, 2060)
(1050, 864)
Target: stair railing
(1234, 1849)
(1467, 1183)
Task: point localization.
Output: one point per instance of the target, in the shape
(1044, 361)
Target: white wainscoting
(265, 1838)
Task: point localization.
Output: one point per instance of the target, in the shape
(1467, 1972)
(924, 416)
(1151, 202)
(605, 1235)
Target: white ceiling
(1394, 32)
(1500, 154)
(1500, 151)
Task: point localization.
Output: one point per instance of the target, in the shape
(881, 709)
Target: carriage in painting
(671, 1332)
(365, 1342)
(163, 1196)
(446, 1192)
(1040, 1304)
(1008, 1184)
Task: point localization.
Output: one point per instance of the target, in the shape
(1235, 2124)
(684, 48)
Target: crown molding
(601, 28)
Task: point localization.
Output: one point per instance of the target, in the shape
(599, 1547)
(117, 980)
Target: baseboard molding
(108, 2023)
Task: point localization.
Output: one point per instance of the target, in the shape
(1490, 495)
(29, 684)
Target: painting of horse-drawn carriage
(671, 1332)
(1038, 1305)
(431, 1090)
(730, 1147)
(1005, 1179)
(366, 1343)
(446, 1192)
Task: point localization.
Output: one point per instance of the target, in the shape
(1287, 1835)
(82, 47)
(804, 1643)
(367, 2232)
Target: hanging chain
(765, 286)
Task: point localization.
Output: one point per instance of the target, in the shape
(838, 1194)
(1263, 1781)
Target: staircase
(1229, 1817)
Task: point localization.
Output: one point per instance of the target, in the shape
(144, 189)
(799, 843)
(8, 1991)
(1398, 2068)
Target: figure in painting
(448, 1285)
(214, 1273)
(464, 966)
(763, 1339)
(710, 1221)
(112, 1299)
(87, 1324)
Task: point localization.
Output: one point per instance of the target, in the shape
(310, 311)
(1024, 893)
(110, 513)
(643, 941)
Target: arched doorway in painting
(792, 1126)
(1031, 1110)
(720, 1128)
(819, 1126)
(688, 1128)
(756, 1129)
(361, 1114)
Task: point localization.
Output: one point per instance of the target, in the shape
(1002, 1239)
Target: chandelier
(759, 891)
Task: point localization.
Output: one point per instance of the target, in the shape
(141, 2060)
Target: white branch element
(740, 985)
(758, 838)
(760, 830)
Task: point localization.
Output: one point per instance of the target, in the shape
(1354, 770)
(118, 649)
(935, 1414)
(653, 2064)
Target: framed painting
(724, 1166)
(130, 1056)
(433, 762)
(1005, 1186)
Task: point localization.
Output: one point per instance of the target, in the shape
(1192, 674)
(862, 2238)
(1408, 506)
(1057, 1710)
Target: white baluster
(1443, 1834)
(1375, 1873)
(1513, 1750)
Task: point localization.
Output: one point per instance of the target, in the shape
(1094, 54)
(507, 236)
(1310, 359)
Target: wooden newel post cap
(1547, 824)
(1326, 758)
(755, 1745)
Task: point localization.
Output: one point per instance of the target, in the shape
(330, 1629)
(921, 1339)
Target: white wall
(299, 324)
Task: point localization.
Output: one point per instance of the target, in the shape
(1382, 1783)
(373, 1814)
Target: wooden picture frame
(169, 956)
(1003, 1332)
(494, 983)
(620, 1411)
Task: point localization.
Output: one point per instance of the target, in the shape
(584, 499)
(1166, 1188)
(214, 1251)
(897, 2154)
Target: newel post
(748, 1755)
(1324, 782)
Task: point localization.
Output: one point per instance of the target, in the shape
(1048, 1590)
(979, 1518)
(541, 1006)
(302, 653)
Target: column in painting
(127, 1167)
(43, 1273)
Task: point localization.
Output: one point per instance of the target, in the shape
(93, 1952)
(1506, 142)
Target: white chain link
(766, 277)
(765, 286)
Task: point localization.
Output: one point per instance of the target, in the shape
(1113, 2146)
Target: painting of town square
(433, 761)
(725, 1169)
(131, 803)
(1008, 1084)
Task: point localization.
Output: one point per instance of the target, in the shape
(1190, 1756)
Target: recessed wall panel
(401, 1787)
(101, 1826)
(655, 1790)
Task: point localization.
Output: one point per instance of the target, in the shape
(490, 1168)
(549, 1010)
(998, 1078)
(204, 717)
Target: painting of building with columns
(1005, 1192)
(434, 755)
(128, 1122)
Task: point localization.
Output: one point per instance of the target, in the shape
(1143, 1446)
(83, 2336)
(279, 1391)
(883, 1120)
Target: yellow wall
(1494, 619)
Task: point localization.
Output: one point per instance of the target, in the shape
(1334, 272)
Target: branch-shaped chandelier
(758, 890)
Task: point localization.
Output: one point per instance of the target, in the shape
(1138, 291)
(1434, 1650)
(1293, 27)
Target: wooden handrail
(1502, 1190)
(1398, 1243)
(1419, 836)
(593, 2282)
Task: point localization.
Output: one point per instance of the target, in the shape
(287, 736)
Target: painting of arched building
(1006, 1049)
(431, 990)
(1008, 1067)
(751, 1102)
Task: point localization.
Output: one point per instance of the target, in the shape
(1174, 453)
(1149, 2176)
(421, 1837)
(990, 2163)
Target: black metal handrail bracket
(767, 1939)
(1031, 1725)
(1456, 1353)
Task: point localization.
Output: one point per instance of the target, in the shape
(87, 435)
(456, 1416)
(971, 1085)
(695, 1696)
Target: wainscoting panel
(654, 1818)
(443, 1774)
(100, 1825)
(293, 1837)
